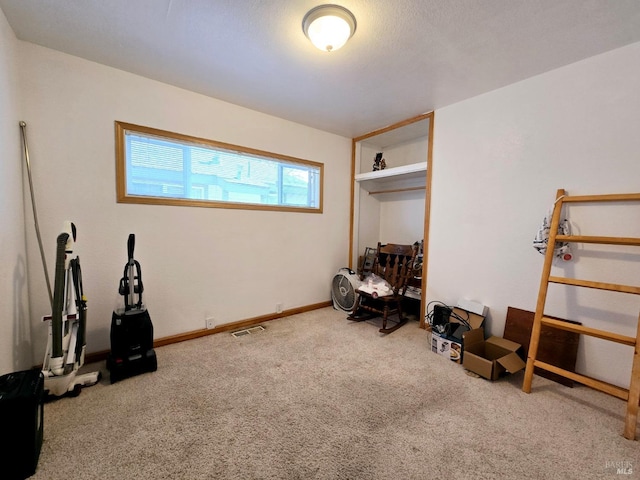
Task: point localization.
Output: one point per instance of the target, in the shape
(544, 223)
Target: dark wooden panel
(557, 347)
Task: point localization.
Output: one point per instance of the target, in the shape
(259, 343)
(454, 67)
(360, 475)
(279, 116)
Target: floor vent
(248, 331)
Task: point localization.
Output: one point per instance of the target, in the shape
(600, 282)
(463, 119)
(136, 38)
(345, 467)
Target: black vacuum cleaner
(131, 328)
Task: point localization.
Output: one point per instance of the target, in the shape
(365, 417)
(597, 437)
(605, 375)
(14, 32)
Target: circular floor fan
(343, 290)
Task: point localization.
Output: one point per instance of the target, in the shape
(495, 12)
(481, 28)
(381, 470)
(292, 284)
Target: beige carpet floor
(315, 396)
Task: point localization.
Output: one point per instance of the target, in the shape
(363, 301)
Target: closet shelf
(405, 177)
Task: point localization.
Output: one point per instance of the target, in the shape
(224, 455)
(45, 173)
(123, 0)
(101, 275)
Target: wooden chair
(394, 263)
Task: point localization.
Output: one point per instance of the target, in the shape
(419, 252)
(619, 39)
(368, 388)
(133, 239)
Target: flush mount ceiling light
(329, 26)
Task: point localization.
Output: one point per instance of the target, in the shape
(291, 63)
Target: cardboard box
(492, 357)
(446, 347)
(452, 346)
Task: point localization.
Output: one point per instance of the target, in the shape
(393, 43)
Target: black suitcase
(131, 328)
(21, 423)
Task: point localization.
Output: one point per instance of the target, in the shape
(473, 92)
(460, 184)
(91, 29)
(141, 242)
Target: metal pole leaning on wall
(23, 129)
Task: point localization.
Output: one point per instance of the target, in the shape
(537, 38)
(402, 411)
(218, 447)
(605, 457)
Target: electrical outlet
(278, 308)
(210, 323)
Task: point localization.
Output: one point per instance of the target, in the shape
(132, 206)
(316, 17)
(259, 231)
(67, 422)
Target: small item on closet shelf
(379, 163)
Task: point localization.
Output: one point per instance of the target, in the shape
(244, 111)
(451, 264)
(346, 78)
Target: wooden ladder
(632, 394)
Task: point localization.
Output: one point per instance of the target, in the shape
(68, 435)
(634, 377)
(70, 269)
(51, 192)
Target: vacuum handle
(131, 244)
(58, 297)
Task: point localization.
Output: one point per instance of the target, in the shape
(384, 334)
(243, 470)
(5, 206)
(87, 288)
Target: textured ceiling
(407, 57)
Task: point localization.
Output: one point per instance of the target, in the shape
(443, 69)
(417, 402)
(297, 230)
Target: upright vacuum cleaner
(66, 342)
(131, 328)
(68, 323)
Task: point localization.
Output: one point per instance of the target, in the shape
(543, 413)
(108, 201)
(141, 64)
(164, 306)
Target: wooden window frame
(121, 129)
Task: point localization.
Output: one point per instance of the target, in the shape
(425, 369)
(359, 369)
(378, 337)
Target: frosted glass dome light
(329, 26)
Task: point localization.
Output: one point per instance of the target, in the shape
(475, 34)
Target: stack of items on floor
(457, 333)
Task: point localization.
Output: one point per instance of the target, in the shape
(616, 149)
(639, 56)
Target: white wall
(498, 161)
(196, 262)
(402, 217)
(14, 312)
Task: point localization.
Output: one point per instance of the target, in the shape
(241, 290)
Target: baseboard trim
(183, 337)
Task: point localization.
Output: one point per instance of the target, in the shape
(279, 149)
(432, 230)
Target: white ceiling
(407, 57)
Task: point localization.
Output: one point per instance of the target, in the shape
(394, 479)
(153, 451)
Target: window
(164, 168)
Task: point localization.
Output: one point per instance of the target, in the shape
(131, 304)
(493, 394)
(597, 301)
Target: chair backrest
(394, 263)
